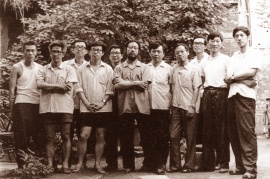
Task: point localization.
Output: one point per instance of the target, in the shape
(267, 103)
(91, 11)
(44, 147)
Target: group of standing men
(166, 102)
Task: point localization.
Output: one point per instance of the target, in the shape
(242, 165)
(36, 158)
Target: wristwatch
(104, 101)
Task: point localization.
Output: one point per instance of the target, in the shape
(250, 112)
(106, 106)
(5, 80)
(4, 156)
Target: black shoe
(110, 168)
(160, 171)
(172, 170)
(146, 169)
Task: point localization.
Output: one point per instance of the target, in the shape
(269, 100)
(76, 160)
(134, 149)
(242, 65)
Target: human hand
(142, 84)
(250, 83)
(191, 112)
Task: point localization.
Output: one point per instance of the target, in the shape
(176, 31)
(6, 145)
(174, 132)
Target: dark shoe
(223, 170)
(186, 170)
(110, 168)
(78, 169)
(66, 170)
(172, 170)
(236, 172)
(100, 170)
(248, 175)
(160, 171)
(146, 169)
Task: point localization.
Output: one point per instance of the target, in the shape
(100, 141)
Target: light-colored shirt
(27, 91)
(214, 70)
(251, 59)
(184, 80)
(159, 90)
(73, 63)
(131, 100)
(200, 65)
(95, 85)
(56, 102)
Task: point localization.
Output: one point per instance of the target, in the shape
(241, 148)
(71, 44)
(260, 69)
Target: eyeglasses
(96, 50)
(79, 47)
(56, 52)
(156, 51)
(198, 44)
(115, 53)
(133, 47)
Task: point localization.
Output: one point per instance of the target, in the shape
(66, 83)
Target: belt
(215, 88)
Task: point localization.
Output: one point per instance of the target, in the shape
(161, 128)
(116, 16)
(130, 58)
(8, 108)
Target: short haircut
(182, 44)
(115, 46)
(199, 37)
(213, 35)
(130, 41)
(58, 43)
(97, 43)
(155, 45)
(73, 44)
(28, 44)
(241, 28)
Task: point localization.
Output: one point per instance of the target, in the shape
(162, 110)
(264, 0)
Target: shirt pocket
(62, 77)
(103, 79)
(185, 81)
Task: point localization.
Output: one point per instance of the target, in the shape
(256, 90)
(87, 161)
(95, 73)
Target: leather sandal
(236, 172)
(186, 170)
(100, 170)
(248, 175)
(78, 169)
(66, 170)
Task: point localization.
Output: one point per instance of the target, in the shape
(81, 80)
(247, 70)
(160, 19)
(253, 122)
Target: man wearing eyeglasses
(56, 82)
(199, 46)
(160, 102)
(131, 79)
(112, 131)
(95, 90)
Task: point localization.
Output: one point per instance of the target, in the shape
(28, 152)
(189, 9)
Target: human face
(96, 52)
(157, 54)
(79, 49)
(115, 55)
(30, 52)
(198, 45)
(181, 54)
(215, 44)
(241, 38)
(57, 54)
(132, 51)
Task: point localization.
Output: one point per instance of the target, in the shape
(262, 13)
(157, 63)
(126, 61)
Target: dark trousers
(76, 124)
(26, 124)
(111, 148)
(180, 124)
(127, 138)
(215, 129)
(160, 124)
(241, 113)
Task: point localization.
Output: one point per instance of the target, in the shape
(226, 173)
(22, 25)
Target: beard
(132, 56)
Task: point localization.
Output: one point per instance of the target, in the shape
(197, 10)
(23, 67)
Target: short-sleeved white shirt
(214, 70)
(159, 90)
(239, 61)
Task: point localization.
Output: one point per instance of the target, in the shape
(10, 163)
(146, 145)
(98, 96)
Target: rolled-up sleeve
(109, 88)
(71, 75)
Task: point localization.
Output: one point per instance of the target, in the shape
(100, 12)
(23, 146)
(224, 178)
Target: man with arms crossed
(95, 90)
(160, 102)
(25, 111)
(56, 82)
(245, 64)
(131, 79)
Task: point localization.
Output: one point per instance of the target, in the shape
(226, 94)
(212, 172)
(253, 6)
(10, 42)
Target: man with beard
(186, 81)
(160, 102)
(131, 79)
(25, 113)
(95, 90)
(56, 82)
(112, 131)
(245, 64)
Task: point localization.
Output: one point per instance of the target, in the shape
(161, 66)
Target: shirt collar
(102, 64)
(137, 63)
(162, 63)
(60, 66)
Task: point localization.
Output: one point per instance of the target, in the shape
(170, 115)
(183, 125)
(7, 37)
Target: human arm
(12, 86)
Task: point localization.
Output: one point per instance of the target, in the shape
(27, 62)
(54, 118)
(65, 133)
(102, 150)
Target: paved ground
(263, 169)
